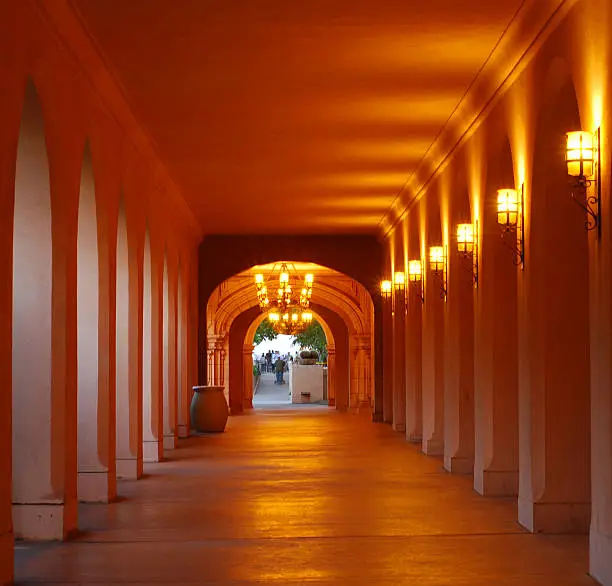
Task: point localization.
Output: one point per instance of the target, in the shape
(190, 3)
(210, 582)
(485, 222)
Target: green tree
(265, 331)
(313, 338)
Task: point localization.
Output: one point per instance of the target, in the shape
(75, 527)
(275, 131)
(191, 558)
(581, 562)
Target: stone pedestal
(306, 383)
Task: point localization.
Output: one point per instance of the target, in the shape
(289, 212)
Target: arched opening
(554, 379)
(343, 304)
(168, 388)
(126, 456)
(183, 391)
(299, 383)
(93, 467)
(36, 511)
(496, 340)
(151, 413)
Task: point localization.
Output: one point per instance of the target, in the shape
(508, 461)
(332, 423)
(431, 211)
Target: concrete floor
(269, 394)
(303, 497)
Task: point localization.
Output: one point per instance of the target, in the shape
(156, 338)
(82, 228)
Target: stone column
(554, 373)
(360, 374)
(496, 372)
(459, 365)
(331, 375)
(414, 377)
(399, 362)
(247, 377)
(600, 537)
(433, 366)
(387, 347)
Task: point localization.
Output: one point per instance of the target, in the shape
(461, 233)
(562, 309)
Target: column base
(39, 521)
(414, 437)
(169, 442)
(433, 447)
(600, 554)
(151, 451)
(554, 518)
(401, 427)
(458, 465)
(331, 402)
(93, 487)
(7, 556)
(496, 483)
(183, 431)
(128, 469)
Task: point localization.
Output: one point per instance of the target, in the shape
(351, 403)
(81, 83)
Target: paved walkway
(268, 394)
(304, 497)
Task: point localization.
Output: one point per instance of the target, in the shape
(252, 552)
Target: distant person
(279, 369)
(269, 361)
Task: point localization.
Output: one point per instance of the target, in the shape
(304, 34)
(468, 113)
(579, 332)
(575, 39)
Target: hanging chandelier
(278, 296)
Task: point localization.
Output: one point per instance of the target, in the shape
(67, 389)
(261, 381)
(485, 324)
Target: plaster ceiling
(298, 116)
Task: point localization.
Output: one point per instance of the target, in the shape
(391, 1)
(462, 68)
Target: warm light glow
(436, 258)
(295, 317)
(385, 288)
(507, 207)
(415, 271)
(259, 279)
(307, 316)
(400, 280)
(579, 154)
(309, 278)
(465, 238)
(284, 277)
(273, 316)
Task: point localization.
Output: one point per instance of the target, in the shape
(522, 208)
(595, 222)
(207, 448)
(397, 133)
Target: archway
(267, 390)
(336, 297)
(36, 513)
(94, 473)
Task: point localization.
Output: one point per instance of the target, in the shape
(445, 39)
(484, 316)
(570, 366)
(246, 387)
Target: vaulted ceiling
(293, 116)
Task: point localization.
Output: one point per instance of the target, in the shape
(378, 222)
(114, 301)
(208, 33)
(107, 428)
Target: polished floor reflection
(303, 497)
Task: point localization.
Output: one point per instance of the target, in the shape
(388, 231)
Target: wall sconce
(467, 245)
(583, 159)
(438, 265)
(510, 216)
(399, 280)
(385, 289)
(415, 275)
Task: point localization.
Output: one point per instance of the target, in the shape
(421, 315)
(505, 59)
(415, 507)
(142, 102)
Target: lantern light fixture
(438, 264)
(385, 289)
(467, 245)
(399, 280)
(415, 275)
(583, 159)
(511, 218)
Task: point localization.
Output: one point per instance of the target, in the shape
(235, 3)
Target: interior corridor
(306, 496)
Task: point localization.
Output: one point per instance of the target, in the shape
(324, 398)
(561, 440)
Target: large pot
(209, 410)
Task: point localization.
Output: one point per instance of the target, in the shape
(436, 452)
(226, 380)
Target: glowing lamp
(580, 154)
(385, 289)
(414, 271)
(284, 277)
(307, 316)
(436, 258)
(273, 316)
(309, 278)
(399, 279)
(507, 207)
(465, 238)
(259, 279)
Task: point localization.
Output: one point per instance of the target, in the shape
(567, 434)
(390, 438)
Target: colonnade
(98, 295)
(499, 361)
